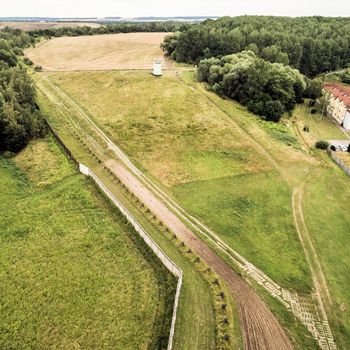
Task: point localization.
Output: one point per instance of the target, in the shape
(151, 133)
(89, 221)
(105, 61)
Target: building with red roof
(339, 103)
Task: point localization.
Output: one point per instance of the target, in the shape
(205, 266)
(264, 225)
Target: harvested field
(99, 52)
(45, 25)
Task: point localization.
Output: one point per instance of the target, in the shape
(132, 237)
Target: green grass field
(73, 273)
(202, 150)
(321, 127)
(240, 208)
(205, 151)
(194, 148)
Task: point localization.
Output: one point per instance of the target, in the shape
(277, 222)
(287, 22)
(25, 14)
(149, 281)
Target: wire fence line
(167, 262)
(339, 162)
(61, 143)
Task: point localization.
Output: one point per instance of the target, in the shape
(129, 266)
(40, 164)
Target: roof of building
(340, 92)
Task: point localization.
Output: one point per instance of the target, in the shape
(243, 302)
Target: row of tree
(311, 44)
(126, 27)
(20, 119)
(267, 89)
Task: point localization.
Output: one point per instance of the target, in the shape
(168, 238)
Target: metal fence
(339, 162)
(60, 142)
(168, 263)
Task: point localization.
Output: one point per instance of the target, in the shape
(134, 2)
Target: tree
(267, 89)
(312, 45)
(313, 89)
(20, 120)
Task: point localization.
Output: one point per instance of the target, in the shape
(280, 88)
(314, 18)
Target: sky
(135, 8)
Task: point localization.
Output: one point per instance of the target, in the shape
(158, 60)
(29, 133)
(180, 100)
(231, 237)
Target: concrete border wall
(338, 161)
(168, 263)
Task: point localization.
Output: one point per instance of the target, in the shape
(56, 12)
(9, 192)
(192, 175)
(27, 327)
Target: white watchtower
(157, 68)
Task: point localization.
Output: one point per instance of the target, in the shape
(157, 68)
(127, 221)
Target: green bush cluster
(267, 89)
(321, 144)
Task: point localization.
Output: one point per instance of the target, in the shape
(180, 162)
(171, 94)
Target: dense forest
(311, 44)
(20, 119)
(267, 89)
(138, 27)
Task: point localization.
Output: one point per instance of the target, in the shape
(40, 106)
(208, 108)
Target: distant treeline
(112, 29)
(311, 44)
(20, 119)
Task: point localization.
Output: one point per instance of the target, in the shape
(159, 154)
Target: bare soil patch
(99, 52)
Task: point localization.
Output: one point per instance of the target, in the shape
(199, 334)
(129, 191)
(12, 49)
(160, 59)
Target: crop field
(45, 25)
(98, 52)
(195, 150)
(74, 274)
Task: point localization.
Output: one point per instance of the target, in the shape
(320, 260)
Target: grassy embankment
(74, 274)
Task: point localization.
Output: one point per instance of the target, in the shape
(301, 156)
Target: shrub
(267, 89)
(27, 61)
(321, 144)
(38, 68)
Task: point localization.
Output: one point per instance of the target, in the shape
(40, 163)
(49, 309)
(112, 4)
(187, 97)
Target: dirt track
(260, 328)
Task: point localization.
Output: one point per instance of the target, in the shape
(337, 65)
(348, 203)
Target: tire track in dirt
(261, 330)
(305, 239)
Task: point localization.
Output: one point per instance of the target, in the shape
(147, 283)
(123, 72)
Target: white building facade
(339, 103)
